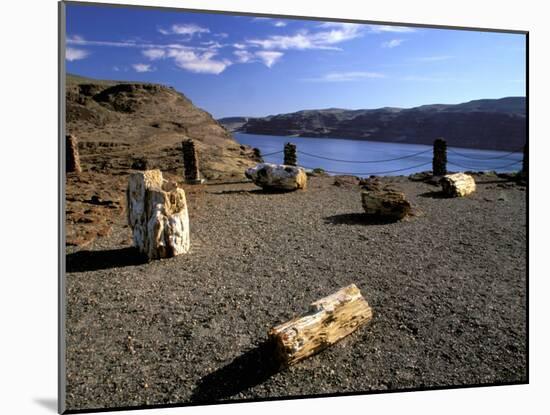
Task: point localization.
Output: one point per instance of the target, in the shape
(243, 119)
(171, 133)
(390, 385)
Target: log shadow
(253, 192)
(359, 219)
(83, 261)
(248, 370)
(438, 194)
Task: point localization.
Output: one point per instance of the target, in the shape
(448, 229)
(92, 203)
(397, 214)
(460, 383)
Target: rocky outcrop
(498, 124)
(157, 215)
(389, 204)
(277, 176)
(458, 185)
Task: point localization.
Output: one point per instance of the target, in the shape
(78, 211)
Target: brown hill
(120, 123)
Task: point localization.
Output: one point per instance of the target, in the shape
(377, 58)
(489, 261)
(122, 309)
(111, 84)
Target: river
(364, 158)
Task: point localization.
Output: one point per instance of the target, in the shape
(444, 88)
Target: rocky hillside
(119, 125)
(118, 122)
(487, 124)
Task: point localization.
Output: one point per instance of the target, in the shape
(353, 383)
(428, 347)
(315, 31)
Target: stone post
(73, 158)
(525, 165)
(190, 162)
(290, 155)
(439, 163)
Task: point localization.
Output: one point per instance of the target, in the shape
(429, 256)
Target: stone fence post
(439, 163)
(73, 158)
(525, 164)
(190, 162)
(290, 155)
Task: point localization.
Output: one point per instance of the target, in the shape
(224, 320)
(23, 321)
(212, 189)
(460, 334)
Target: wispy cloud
(243, 56)
(279, 23)
(390, 29)
(74, 54)
(142, 67)
(392, 43)
(198, 62)
(269, 57)
(188, 29)
(154, 54)
(347, 76)
(436, 58)
(333, 34)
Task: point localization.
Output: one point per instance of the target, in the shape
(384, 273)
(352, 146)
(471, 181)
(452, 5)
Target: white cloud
(73, 54)
(239, 46)
(142, 67)
(279, 23)
(189, 29)
(154, 54)
(221, 35)
(243, 56)
(198, 62)
(326, 39)
(269, 57)
(392, 43)
(347, 76)
(390, 29)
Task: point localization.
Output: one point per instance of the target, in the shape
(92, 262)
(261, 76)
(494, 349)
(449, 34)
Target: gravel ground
(447, 286)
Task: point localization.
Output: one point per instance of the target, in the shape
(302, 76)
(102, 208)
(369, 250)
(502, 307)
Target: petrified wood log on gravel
(277, 176)
(385, 203)
(458, 185)
(328, 320)
(157, 215)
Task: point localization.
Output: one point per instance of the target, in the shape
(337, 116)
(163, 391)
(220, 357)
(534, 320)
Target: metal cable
(492, 168)
(364, 162)
(484, 158)
(371, 173)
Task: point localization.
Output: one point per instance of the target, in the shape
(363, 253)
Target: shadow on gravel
(434, 195)
(83, 261)
(358, 219)
(253, 192)
(250, 369)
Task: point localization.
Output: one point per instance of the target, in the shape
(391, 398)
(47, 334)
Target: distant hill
(486, 124)
(119, 121)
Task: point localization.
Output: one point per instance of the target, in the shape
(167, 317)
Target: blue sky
(241, 65)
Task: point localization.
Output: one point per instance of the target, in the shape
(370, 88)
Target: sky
(250, 66)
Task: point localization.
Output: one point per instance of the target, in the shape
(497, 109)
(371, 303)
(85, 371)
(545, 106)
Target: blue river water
(365, 158)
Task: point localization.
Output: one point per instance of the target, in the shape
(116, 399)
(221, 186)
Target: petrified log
(385, 203)
(458, 185)
(328, 320)
(277, 176)
(73, 158)
(157, 215)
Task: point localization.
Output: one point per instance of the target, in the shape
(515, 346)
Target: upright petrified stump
(190, 162)
(73, 158)
(388, 204)
(290, 155)
(439, 162)
(328, 320)
(157, 215)
(458, 185)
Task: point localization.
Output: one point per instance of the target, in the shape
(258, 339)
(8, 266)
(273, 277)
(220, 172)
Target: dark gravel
(447, 286)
